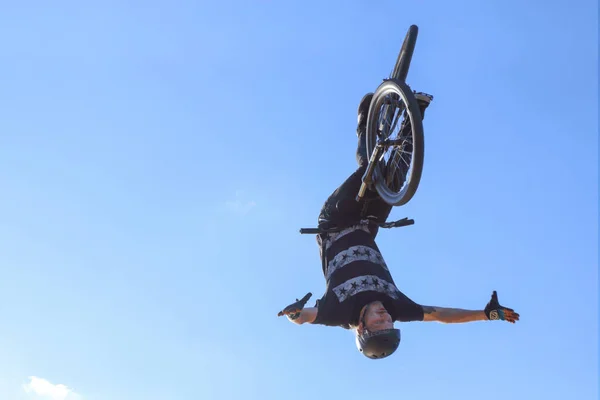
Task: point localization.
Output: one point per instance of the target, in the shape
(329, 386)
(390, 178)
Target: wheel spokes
(396, 157)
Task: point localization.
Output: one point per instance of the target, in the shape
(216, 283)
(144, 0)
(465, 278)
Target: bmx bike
(395, 160)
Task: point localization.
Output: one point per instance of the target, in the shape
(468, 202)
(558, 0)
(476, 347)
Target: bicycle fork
(367, 178)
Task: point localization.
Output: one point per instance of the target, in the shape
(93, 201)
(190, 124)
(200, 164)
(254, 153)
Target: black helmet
(378, 344)
(363, 108)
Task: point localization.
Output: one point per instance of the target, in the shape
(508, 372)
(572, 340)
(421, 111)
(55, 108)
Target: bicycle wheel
(397, 174)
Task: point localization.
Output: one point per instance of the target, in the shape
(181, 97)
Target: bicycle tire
(406, 53)
(400, 71)
(403, 91)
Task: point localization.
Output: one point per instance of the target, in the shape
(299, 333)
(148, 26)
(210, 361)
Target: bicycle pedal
(423, 96)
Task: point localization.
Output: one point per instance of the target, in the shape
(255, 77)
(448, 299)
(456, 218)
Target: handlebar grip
(310, 230)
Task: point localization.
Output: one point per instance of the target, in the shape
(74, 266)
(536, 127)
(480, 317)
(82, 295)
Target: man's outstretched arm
(492, 311)
(452, 315)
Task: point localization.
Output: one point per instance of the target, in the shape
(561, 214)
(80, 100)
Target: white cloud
(43, 389)
(240, 205)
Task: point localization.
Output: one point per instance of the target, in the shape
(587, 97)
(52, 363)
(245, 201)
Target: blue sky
(157, 160)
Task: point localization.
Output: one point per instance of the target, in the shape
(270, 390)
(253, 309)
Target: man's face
(377, 318)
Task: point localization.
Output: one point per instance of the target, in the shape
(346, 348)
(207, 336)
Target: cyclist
(360, 292)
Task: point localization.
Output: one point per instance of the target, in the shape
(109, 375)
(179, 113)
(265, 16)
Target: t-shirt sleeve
(329, 314)
(407, 310)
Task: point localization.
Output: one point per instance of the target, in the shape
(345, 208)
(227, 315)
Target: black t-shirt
(357, 275)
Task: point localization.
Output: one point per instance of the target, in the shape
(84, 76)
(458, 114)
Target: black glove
(293, 310)
(494, 311)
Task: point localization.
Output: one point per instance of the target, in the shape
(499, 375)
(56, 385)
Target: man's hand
(294, 309)
(494, 311)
